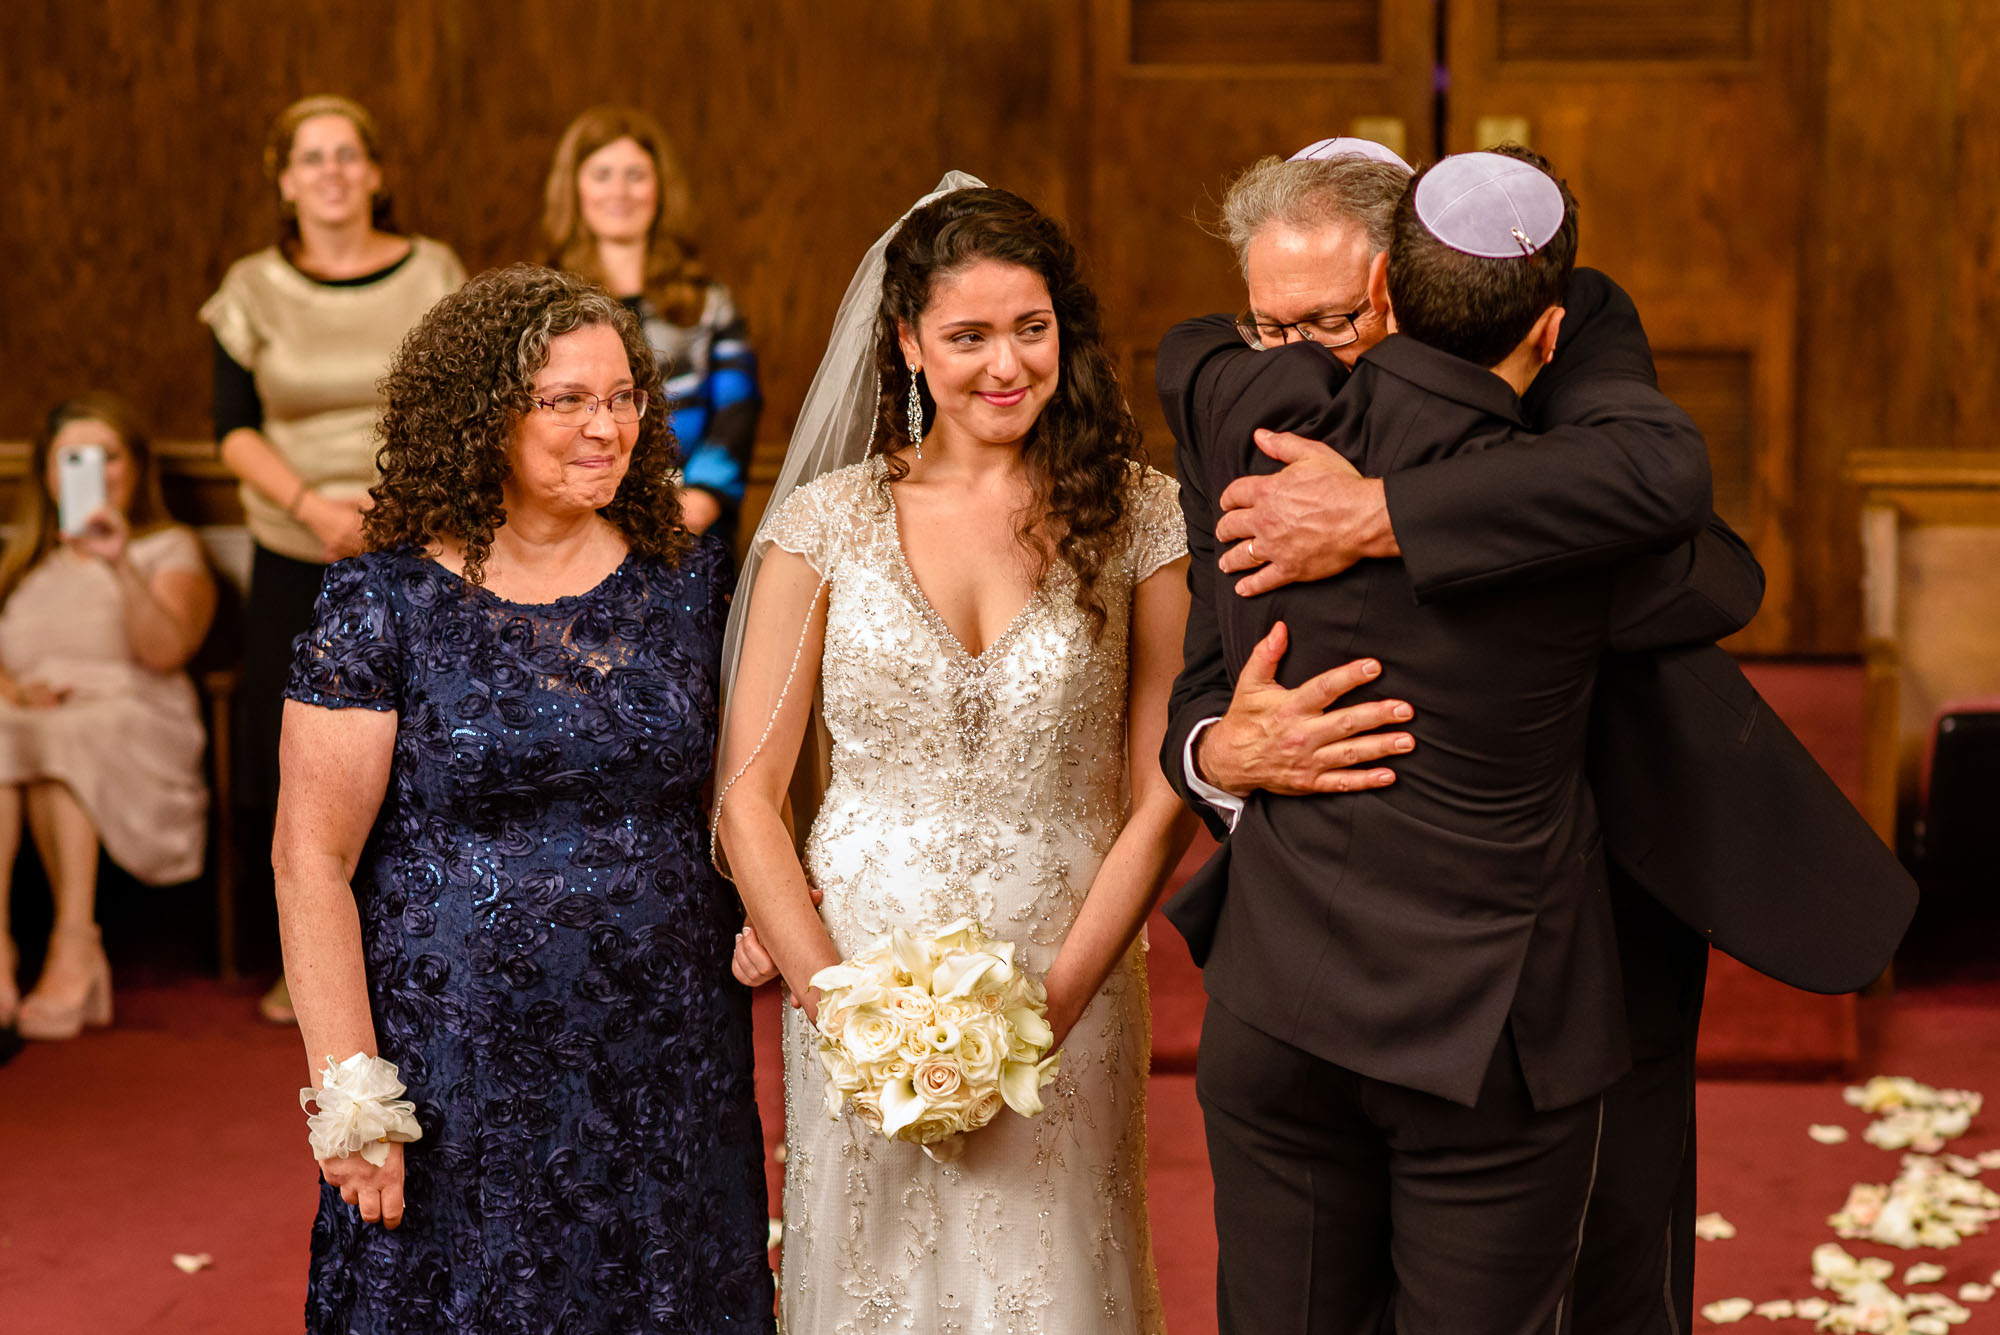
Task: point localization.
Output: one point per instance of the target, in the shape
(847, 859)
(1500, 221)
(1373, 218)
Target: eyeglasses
(1334, 330)
(627, 405)
(314, 158)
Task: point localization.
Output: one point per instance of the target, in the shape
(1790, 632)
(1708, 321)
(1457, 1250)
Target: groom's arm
(1618, 470)
(1701, 591)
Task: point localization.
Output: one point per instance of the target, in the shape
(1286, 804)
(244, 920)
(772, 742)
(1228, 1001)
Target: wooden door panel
(1674, 30)
(1254, 32)
(1184, 94)
(1681, 128)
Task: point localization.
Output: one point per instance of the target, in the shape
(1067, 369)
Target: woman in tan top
(303, 331)
(100, 736)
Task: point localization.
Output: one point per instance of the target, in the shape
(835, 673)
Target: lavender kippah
(1347, 146)
(1490, 205)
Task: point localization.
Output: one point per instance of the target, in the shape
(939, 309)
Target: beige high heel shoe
(44, 1018)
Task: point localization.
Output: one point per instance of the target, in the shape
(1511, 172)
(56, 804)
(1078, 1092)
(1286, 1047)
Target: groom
(1619, 470)
(1407, 1132)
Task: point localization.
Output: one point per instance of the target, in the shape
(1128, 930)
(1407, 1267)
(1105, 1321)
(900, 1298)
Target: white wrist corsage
(359, 1110)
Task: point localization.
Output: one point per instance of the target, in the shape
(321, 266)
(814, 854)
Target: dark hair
(1081, 450)
(675, 281)
(278, 156)
(1468, 305)
(34, 534)
(456, 393)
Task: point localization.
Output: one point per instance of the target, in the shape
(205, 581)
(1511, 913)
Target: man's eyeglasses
(1329, 330)
(627, 405)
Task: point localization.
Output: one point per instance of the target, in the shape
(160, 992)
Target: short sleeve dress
(547, 953)
(126, 740)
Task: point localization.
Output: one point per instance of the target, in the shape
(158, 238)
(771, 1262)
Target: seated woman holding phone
(103, 599)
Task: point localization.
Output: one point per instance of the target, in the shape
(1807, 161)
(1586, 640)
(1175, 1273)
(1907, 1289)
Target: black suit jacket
(1412, 923)
(1684, 750)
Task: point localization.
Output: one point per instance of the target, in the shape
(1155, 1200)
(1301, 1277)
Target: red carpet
(92, 1208)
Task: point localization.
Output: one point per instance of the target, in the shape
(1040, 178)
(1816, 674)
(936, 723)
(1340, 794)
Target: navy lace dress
(548, 959)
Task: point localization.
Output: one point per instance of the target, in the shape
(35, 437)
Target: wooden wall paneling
(1252, 32)
(1974, 192)
(1718, 390)
(99, 154)
(1166, 133)
(1689, 176)
(1677, 30)
(136, 129)
(1877, 347)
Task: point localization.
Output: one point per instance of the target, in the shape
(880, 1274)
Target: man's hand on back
(1289, 742)
(1313, 518)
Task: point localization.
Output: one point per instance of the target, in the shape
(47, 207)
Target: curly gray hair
(1310, 194)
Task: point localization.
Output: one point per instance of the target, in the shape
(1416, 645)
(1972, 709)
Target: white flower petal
(1728, 1310)
(1827, 1135)
(1713, 1228)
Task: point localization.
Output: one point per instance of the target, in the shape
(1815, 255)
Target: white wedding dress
(986, 787)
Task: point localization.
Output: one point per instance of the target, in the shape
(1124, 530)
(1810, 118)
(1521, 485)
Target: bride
(986, 588)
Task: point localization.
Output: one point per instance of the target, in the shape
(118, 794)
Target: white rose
(934, 1127)
(980, 1052)
(869, 1035)
(868, 1107)
(912, 1005)
(938, 1080)
(961, 1011)
(843, 1077)
(985, 1106)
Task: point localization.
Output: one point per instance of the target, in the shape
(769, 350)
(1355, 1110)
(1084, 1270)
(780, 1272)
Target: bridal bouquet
(929, 1036)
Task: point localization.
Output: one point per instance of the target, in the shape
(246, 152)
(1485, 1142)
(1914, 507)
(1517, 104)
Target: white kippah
(1490, 205)
(1346, 146)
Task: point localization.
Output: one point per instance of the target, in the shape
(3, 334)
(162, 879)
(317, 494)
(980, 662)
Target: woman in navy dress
(490, 853)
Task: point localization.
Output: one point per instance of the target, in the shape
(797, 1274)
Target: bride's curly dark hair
(1082, 450)
(457, 390)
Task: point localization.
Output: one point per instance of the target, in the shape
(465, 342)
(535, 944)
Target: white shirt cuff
(1229, 804)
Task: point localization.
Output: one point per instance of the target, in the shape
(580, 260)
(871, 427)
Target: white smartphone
(79, 486)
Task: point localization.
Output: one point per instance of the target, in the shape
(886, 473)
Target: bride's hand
(1062, 1018)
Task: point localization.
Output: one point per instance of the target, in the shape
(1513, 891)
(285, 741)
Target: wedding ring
(1250, 549)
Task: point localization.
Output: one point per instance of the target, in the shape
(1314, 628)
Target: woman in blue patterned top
(617, 210)
(491, 870)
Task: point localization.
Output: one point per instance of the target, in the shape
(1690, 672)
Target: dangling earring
(916, 415)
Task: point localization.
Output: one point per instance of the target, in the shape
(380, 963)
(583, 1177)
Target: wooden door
(1682, 127)
(1184, 93)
